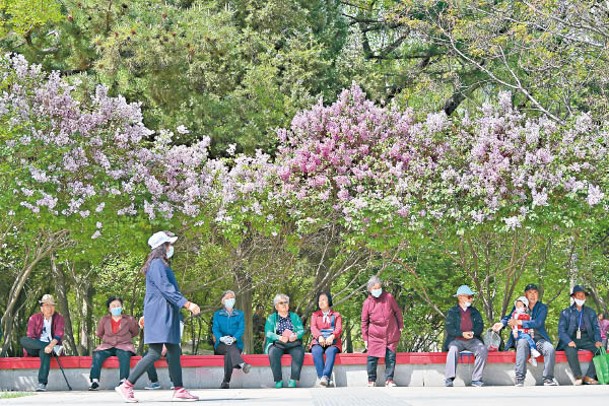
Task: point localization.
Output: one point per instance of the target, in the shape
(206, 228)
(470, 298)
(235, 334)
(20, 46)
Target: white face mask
(467, 304)
(229, 303)
(520, 310)
(376, 292)
(170, 251)
(580, 302)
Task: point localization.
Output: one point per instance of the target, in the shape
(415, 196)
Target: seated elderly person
(578, 330)
(116, 331)
(284, 330)
(326, 328)
(464, 327)
(44, 334)
(228, 327)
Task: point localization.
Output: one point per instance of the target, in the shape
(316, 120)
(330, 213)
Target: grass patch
(11, 395)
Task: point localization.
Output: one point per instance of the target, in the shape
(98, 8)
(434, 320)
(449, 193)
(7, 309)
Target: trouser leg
(98, 359)
(549, 358)
(154, 354)
(588, 345)
(330, 357)
(151, 371)
(275, 354)
(522, 354)
(297, 354)
(174, 363)
(454, 348)
(124, 363)
(389, 364)
(371, 368)
(35, 348)
(318, 359)
(481, 353)
(573, 360)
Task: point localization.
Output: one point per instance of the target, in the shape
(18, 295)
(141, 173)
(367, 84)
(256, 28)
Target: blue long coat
(162, 305)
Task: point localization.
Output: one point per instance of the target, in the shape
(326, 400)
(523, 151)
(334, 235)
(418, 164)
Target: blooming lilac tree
(78, 171)
(500, 182)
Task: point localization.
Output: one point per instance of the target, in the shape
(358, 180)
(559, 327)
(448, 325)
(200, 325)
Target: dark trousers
(389, 366)
(324, 369)
(232, 358)
(296, 351)
(35, 348)
(585, 343)
(154, 354)
(124, 362)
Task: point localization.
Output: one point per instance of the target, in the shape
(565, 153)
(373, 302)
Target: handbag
(288, 345)
(492, 340)
(601, 362)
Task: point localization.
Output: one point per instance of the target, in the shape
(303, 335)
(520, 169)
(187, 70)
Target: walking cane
(62, 371)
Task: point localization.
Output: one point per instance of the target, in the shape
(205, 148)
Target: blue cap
(464, 290)
(578, 288)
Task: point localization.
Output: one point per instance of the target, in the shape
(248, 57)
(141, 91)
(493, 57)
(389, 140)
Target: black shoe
(94, 386)
(224, 385)
(246, 368)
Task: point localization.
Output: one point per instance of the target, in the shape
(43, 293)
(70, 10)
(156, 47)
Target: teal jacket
(270, 328)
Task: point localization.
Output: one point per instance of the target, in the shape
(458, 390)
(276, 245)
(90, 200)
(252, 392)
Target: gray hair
(373, 281)
(279, 297)
(226, 292)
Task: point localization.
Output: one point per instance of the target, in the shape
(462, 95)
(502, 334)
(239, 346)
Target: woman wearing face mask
(116, 331)
(228, 326)
(382, 325)
(162, 305)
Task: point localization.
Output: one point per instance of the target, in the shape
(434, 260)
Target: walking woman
(162, 305)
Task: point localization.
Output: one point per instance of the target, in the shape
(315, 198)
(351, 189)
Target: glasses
(470, 297)
(282, 303)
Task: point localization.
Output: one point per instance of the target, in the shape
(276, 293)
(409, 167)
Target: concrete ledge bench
(206, 371)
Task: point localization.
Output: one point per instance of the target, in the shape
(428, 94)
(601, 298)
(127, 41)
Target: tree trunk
(62, 298)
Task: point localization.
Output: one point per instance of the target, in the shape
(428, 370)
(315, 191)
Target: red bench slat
(262, 360)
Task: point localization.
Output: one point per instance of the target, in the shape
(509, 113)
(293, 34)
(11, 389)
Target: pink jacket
(381, 324)
(123, 339)
(317, 324)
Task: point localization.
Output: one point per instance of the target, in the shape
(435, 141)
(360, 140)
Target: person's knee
(482, 351)
(453, 350)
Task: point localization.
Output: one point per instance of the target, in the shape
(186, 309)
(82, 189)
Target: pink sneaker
(182, 395)
(126, 393)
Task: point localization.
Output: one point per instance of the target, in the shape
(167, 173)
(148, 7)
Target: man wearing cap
(578, 330)
(44, 334)
(537, 323)
(464, 327)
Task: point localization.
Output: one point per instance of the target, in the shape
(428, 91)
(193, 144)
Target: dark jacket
(537, 323)
(453, 325)
(569, 320)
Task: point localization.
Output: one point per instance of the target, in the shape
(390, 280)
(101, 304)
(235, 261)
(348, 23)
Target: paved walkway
(487, 396)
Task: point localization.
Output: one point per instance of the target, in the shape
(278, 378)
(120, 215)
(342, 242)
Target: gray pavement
(417, 396)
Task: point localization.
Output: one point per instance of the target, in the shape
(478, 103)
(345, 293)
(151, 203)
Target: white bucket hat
(47, 299)
(522, 299)
(160, 238)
